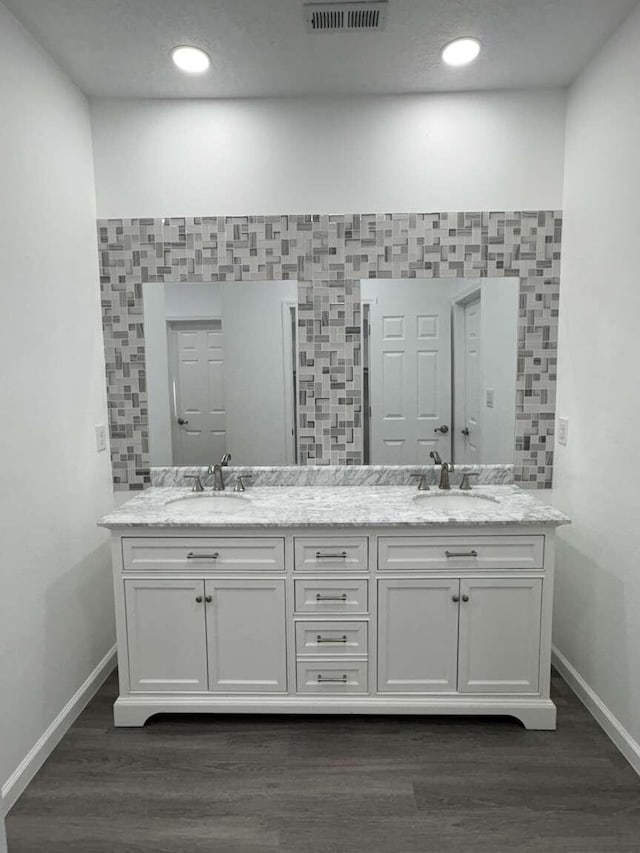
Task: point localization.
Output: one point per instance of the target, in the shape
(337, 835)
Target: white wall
(480, 151)
(258, 394)
(56, 619)
(597, 616)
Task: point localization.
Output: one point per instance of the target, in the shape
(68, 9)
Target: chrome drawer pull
(341, 680)
(320, 597)
(341, 556)
(321, 639)
(460, 554)
(192, 556)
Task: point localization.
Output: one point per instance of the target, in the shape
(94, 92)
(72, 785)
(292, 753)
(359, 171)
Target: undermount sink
(438, 501)
(206, 504)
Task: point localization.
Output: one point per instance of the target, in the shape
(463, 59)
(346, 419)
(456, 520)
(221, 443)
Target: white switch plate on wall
(563, 430)
(101, 437)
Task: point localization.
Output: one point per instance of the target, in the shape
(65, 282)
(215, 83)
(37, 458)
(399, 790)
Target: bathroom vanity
(348, 599)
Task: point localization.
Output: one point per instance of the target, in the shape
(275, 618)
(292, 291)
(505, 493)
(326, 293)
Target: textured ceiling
(119, 48)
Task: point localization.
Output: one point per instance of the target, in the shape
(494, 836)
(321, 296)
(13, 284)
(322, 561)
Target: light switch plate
(101, 437)
(491, 396)
(563, 430)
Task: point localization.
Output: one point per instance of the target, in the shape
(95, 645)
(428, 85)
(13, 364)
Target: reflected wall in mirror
(221, 372)
(439, 369)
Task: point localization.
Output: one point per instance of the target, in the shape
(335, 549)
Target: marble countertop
(332, 506)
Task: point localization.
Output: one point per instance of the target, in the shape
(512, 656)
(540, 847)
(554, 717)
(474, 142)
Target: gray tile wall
(328, 255)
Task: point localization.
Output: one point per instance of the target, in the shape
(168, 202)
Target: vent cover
(366, 16)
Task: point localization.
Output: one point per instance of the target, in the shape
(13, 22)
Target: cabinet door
(500, 635)
(417, 635)
(246, 636)
(166, 635)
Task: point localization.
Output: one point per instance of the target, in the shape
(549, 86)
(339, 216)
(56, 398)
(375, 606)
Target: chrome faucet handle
(465, 485)
(423, 485)
(446, 468)
(225, 459)
(197, 482)
(240, 478)
(437, 459)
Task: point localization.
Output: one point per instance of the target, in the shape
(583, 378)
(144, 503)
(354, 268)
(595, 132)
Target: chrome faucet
(423, 482)
(446, 468)
(465, 485)
(197, 482)
(216, 470)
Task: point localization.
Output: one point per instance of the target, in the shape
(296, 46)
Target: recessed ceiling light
(461, 51)
(190, 59)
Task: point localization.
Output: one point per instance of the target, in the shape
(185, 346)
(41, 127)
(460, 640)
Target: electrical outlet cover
(563, 430)
(101, 438)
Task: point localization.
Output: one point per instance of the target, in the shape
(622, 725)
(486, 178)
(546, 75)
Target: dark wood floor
(234, 784)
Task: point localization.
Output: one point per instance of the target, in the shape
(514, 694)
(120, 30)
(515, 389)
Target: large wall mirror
(437, 371)
(221, 372)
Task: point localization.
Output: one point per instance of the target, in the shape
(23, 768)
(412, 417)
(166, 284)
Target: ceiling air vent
(365, 16)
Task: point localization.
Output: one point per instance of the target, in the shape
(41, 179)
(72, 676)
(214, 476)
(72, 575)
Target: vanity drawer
(329, 596)
(331, 638)
(331, 553)
(332, 677)
(419, 554)
(203, 555)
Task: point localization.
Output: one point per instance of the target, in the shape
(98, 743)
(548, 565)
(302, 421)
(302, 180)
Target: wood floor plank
(287, 784)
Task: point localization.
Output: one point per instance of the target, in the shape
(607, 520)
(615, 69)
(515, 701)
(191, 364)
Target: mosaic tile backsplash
(328, 255)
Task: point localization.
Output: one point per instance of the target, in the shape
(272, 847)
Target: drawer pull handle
(198, 599)
(320, 597)
(321, 639)
(465, 598)
(192, 556)
(449, 554)
(341, 556)
(341, 680)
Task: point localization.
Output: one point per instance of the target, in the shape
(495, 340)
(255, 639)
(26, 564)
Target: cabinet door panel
(246, 636)
(166, 636)
(500, 635)
(417, 635)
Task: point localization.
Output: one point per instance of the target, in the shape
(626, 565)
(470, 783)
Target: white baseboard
(611, 725)
(52, 736)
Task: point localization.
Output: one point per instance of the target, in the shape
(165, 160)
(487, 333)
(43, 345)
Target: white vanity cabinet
(470, 636)
(433, 620)
(216, 635)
